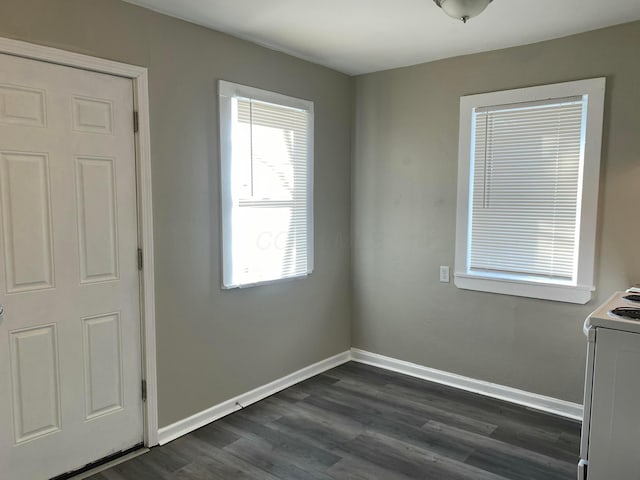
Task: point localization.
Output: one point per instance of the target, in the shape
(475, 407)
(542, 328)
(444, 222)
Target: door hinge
(144, 390)
(135, 122)
(139, 259)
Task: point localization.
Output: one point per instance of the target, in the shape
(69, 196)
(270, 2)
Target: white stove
(604, 316)
(610, 446)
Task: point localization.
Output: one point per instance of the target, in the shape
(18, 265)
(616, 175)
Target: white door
(70, 366)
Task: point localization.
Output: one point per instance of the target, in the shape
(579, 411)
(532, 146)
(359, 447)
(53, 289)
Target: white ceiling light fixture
(463, 9)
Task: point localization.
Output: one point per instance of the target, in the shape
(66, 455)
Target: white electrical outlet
(444, 274)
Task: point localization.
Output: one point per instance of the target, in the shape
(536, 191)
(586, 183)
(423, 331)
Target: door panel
(22, 106)
(96, 219)
(70, 355)
(27, 221)
(35, 382)
(102, 365)
(92, 115)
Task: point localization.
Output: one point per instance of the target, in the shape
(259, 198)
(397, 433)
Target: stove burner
(628, 312)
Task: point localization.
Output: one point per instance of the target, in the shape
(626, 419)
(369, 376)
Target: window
(266, 146)
(528, 176)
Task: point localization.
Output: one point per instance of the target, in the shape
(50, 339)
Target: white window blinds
(526, 182)
(269, 193)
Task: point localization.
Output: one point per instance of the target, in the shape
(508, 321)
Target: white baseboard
(189, 424)
(513, 395)
(520, 397)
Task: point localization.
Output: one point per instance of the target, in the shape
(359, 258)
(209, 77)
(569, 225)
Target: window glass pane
(525, 190)
(528, 178)
(269, 216)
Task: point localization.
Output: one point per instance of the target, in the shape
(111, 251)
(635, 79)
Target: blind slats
(525, 186)
(270, 188)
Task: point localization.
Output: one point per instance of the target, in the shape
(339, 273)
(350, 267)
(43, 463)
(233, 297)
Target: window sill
(265, 282)
(579, 294)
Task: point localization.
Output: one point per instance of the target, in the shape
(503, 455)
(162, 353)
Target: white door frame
(138, 76)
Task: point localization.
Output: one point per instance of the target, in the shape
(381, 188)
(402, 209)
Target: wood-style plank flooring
(358, 422)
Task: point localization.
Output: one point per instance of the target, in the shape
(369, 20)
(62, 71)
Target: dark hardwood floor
(360, 422)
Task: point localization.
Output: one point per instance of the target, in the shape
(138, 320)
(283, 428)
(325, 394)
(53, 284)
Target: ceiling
(362, 36)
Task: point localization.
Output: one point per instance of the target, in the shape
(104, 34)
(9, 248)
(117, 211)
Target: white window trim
(227, 91)
(581, 292)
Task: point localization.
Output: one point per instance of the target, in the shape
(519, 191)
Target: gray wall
(213, 345)
(404, 206)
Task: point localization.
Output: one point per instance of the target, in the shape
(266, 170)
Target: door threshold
(103, 464)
